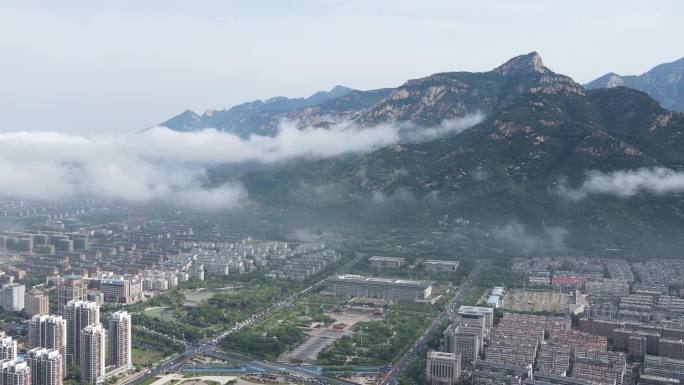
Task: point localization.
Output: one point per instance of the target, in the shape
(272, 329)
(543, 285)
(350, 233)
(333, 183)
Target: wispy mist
(401, 195)
(412, 133)
(304, 235)
(524, 240)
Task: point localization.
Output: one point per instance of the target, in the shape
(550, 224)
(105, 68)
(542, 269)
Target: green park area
(149, 348)
(279, 332)
(146, 357)
(161, 313)
(377, 342)
(197, 310)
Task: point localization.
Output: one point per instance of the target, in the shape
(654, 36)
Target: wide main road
(420, 345)
(292, 371)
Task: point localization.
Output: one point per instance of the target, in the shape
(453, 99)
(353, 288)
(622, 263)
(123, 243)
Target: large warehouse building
(385, 288)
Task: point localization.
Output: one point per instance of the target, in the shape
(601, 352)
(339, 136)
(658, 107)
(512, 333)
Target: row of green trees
(234, 306)
(268, 344)
(377, 342)
(175, 329)
(279, 332)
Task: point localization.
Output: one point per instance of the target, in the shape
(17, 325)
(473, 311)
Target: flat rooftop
(475, 309)
(493, 299)
(387, 259)
(439, 262)
(436, 354)
(387, 281)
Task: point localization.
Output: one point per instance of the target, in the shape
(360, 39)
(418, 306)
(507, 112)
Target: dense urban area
(341, 192)
(150, 301)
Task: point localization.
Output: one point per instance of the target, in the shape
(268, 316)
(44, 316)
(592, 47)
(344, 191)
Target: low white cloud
(226, 196)
(518, 236)
(626, 183)
(160, 164)
(480, 174)
(413, 133)
(304, 235)
(400, 195)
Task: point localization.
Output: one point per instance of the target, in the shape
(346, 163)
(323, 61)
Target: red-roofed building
(566, 281)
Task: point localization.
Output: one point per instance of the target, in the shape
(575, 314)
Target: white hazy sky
(91, 66)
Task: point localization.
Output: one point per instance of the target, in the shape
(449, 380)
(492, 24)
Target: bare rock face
(425, 101)
(614, 81)
(530, 63)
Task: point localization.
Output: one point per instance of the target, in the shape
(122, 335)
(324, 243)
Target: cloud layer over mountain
(525, 241)
(627, 183)
(164, 165)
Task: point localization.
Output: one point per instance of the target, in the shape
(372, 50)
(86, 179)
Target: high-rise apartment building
(8, 348)
(36, 302)
(70, 288)
(92, 354)
(121, 290)
(47, 367)
(467, 342)
(119, 340)
(476, 312)
(443, 368)
(78, 315)
(48, 331)
(13, 297)
(14, 373)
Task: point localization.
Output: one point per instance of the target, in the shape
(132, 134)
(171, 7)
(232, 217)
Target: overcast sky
(119, 66)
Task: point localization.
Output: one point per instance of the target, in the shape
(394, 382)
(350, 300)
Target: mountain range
(514, 183)
(665, 83)
(263, 117)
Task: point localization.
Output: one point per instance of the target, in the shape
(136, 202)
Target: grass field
(161, 313)
(145, 357)
(536, 301)
(149, 380)
(194, 297)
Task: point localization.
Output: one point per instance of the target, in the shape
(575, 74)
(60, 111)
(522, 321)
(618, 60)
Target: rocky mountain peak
(609, 80)
(614, 80)
(529, 63)
(189, 114)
